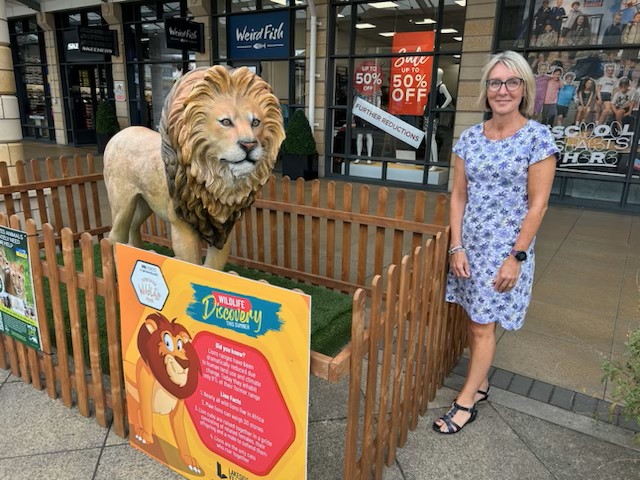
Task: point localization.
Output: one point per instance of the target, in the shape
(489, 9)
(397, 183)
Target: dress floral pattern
(497, 202)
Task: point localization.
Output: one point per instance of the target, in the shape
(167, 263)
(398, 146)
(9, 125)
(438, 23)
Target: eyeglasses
(512, 84)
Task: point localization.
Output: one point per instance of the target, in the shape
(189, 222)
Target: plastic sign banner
(367, 79)
(410, 80)
(259, 35)
(18, 317)
(216, 369)
(392, 125)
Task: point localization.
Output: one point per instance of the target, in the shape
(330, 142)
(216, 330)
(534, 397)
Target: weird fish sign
(262, 35)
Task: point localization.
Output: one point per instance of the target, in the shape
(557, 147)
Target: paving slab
(487, 449)
(551, 360)
(32, 423)
(122, 462)
(568, 454)
(67, 465)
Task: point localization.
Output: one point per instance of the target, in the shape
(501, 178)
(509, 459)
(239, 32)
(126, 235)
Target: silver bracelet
(458, 248)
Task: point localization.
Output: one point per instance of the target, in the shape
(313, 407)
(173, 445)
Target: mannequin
(443, 100)
(360, 123)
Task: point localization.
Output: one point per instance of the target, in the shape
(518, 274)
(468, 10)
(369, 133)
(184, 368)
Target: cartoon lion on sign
(220, 134)
(166, 374)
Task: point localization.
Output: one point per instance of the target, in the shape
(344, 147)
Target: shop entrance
(88, 87)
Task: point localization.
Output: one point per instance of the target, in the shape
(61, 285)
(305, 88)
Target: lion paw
(143, 438)
(192, 464)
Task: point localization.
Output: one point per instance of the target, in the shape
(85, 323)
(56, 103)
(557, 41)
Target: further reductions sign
(410, 75)
(367, 78)
(18, 317)
(216, 369)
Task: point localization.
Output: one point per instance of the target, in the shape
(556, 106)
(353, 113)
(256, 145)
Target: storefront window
(31, 82)
(393, 102)
(584, 55)
(152, 66)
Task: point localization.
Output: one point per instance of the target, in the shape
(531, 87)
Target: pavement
(547, 416)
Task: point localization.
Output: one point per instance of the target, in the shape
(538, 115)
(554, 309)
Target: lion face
(16, 280)
(238, 126)
(221, 132)
(166, 347)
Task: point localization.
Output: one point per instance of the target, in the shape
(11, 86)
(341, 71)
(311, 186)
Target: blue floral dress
(497, 202)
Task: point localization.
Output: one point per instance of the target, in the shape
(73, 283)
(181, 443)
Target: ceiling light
(448, 30)
(462, 3)
(279, 2)
(362, 26)
(387, 34)
(456, 56)
(426, 21)
(457, 39)
(383, 5)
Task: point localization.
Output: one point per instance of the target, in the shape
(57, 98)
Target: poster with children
(17, 301)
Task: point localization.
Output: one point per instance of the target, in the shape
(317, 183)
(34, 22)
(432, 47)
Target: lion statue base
(219, 137)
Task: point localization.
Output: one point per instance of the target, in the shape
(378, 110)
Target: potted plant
(106, 124)
(299, 153)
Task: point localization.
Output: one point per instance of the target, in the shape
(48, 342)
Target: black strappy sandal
(453, 427)
(485, 394)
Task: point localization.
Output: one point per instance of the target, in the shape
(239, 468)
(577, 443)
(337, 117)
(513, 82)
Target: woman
(504, 170)
(580, 34)
(586, 99)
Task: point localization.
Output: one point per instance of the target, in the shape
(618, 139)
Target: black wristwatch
(520, 255)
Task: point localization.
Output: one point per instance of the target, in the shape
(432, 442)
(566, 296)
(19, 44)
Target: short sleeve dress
(497, 202)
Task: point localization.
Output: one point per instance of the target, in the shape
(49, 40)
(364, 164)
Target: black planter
(101, 141)
(296, 166)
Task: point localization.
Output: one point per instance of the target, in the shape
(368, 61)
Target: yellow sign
(216, 369)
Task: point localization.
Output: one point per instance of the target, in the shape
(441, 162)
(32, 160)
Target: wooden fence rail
(387, 251)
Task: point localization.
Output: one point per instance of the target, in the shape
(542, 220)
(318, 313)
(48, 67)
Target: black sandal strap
(457, 406)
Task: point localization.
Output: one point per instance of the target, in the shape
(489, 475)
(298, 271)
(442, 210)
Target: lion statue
(219, 137)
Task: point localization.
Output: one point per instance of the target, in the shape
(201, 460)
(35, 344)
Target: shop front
(85, 47)
(393, 70)
(585, 58)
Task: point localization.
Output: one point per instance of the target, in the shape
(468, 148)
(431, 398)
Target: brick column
(322, 46)
(479, 30)
(11, 149)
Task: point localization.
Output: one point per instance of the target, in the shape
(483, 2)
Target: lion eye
(168, 341)
(226, 122)
(179, 344)
(255, 123)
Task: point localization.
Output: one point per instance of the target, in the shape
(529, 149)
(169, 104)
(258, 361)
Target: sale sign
(410, 75)
(216, 369)
(367, 78)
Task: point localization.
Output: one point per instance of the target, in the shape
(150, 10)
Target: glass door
(88, 87)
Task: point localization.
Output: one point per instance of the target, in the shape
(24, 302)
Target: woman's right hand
(459, 264)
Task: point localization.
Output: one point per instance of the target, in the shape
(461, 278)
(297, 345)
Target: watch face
(521, 256)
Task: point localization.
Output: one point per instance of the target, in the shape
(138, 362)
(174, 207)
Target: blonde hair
(518, 65)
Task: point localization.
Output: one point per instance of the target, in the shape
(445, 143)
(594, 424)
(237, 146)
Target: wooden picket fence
(390, 257)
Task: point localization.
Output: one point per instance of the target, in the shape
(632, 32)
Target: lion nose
(247, 146)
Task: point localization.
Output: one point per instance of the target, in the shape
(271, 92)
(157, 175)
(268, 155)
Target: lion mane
(201, 196)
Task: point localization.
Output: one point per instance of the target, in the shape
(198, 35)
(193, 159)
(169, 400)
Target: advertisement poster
(367, 78)
(18, 317)
(216, 369)
(388, 123)
(410, 79)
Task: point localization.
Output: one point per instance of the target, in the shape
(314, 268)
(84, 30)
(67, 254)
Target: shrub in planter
(299, 153)
(625, 372)
(106, 123)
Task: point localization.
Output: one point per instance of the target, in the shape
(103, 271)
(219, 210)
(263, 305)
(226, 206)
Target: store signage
(261, 35)
(216, 369)
(184, 34)
(98, 40)
(410, 79)
(367, 78)
(388, 123)
(591, 148)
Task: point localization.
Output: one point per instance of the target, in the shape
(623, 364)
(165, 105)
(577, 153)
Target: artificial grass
(330, 311)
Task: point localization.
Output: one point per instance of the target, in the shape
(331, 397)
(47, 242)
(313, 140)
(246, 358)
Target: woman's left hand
(507, 276)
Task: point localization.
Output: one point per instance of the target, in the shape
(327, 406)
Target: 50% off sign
(367, 79)
(410, 85)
